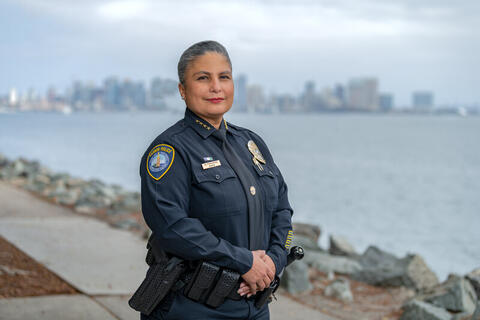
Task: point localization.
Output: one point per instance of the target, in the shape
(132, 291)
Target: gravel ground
(21, 276)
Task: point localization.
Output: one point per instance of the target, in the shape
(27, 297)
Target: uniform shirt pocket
(216, 192)
(269, 183)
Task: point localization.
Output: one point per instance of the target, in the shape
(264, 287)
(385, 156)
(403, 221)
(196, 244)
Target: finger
(261, 285)
(259, 253)
(270, 274)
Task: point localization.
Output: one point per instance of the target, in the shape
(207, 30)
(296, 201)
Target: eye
(202, 78)
(225, 77)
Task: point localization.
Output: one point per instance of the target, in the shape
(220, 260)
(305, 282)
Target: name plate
(211, 164)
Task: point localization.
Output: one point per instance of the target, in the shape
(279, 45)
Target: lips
(215, 100)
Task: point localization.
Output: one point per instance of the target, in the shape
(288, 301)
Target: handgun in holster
(161, 276)
(296, 253)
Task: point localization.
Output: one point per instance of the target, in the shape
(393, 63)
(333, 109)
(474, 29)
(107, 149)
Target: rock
(85, 209)
(68, 197)
(307, 230)
(128, 203)
(74, 183)
(326, 263)
(474, 278)
(305, 242)
(19, 168)
(476, 314)
(61, 176)
(340, 288)
(456, 295)
(381, 268)
(341, 247)
(3, 161)
(295, 278)
(126, 224)
(419, 310)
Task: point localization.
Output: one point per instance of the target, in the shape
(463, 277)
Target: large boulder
(327, 263)
(295, 278)
(381, 268)
(476, 314)
(307, 230)
(340, 289)
(474, 278)
(456, 294)
(306, 243)
(3, 161)
(341, 247)
(419, 310)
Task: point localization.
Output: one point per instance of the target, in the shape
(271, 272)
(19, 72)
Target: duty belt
(206, 283)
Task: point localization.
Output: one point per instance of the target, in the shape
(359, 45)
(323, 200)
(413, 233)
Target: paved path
(103, 263)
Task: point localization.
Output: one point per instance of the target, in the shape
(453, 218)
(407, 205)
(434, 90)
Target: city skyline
(359, 94)
(410, 46)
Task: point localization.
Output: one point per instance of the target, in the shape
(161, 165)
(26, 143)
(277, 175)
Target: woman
(212, 192)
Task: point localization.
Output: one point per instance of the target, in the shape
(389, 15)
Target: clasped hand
(259, 276)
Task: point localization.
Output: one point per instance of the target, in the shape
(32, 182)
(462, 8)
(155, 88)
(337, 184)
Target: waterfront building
(256, 98)
(422, 100)
(159, 90)
(111, 93)
(240, 99)
(363, 94)
(386, 101)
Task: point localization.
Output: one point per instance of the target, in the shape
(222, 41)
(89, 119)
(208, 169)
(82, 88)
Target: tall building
(308, 97)
(111, 93)
(340, 94)
(240, 99)
(256, 98)
(386, 101)
(159, 90)
(363, 94)
(422, 100)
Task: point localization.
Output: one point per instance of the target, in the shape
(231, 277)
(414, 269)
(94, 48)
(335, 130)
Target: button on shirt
(197, 208)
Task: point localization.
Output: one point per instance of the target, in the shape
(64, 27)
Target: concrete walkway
(103, 263)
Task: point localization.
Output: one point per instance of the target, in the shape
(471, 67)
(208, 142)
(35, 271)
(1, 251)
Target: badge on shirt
(159, 160)
(257, 155)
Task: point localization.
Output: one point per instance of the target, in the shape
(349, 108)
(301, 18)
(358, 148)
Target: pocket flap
(217, 174)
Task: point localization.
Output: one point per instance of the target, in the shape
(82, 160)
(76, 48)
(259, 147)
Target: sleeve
(281, 230)
(165, 206)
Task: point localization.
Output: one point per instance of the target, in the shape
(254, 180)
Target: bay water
(405, 183)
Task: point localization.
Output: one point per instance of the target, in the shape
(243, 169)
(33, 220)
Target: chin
(218, 109)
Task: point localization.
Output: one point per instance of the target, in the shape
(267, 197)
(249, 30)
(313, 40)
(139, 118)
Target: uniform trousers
(183, 308)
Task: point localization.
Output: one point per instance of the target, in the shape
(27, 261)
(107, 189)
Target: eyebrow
(208, 73)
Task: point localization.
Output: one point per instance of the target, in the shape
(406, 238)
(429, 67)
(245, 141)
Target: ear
(181, 89)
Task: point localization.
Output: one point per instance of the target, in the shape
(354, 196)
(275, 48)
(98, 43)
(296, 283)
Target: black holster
(161, 277)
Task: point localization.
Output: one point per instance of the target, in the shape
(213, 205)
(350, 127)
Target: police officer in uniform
(211, 191)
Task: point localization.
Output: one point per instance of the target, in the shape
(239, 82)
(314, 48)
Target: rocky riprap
(336, 269)
(373, 285)
(112, 203)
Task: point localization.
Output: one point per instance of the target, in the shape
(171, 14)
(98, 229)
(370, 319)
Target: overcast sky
(408, 44)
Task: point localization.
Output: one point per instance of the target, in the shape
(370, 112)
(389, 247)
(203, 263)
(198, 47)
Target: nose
(215, 85)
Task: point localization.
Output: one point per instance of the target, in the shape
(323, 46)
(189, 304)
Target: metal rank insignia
(257, 159)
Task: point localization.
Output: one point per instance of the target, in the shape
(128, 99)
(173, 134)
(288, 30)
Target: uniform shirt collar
(202, 127)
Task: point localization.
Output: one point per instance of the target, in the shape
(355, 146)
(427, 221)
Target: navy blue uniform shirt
(202, 213)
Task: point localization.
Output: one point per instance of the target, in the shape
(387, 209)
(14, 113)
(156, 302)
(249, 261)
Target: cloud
(323, 40)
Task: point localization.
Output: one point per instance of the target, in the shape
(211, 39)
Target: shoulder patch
(159, 160)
